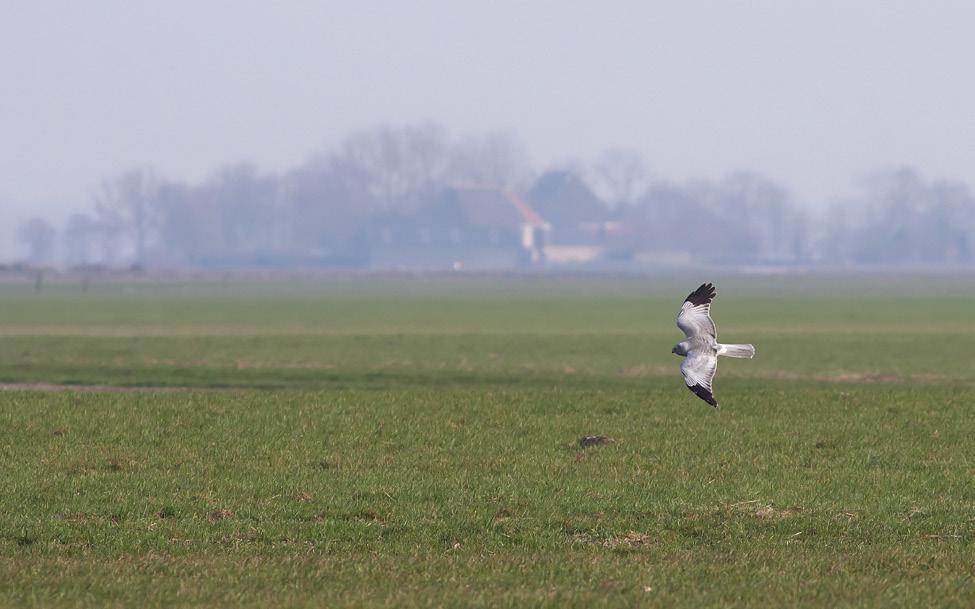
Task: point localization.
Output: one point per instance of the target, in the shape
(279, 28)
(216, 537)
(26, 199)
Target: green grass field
(412, 441)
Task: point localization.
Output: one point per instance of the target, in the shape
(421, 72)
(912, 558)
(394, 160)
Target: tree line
(320, 212)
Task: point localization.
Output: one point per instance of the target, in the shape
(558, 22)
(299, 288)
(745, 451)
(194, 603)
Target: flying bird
(701, 348)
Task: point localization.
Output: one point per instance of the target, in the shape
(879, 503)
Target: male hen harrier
(701, 349)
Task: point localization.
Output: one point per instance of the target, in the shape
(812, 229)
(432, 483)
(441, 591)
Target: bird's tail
(744, 351)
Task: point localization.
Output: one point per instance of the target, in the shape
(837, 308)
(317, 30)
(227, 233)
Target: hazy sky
(811, 93)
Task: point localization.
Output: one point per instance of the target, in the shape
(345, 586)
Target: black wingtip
(705, 394)
(703, 295)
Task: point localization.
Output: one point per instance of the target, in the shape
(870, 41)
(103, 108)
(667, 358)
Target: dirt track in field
(84, 388)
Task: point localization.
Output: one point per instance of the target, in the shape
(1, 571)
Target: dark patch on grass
(612, 585)
(589, 441)
(366, 516)
(692, 531)
(502, 514)
(221, 514)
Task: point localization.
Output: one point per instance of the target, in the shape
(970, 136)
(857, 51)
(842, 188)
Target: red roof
(493, 205)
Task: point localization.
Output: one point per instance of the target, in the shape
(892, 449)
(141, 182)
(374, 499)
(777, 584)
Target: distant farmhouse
(464, 226)
(559, 222)
(582, 230)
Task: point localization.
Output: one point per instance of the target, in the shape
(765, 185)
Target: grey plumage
(701, 347)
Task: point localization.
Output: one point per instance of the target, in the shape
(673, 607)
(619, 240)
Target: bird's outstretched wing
(698, 369)
(695, 315)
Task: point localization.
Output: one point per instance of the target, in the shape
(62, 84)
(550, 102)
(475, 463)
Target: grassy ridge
(419, 448)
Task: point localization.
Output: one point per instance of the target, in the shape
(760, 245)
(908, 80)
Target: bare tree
(619, 176)
(189, 226)
(328, 207)
(78, 234)
(743, 218)
(39, 236)
(496, 159)
(397, 163)
(765, 213)
(245, 204)
(898, 217)
(124, 206)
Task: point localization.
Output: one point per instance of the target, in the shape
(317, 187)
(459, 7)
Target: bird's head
(679, 349)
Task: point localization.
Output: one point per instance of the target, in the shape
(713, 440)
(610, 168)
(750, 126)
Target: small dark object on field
(216, 515)
(587, 441)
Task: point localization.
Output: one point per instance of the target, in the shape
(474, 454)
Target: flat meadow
(413, 441)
